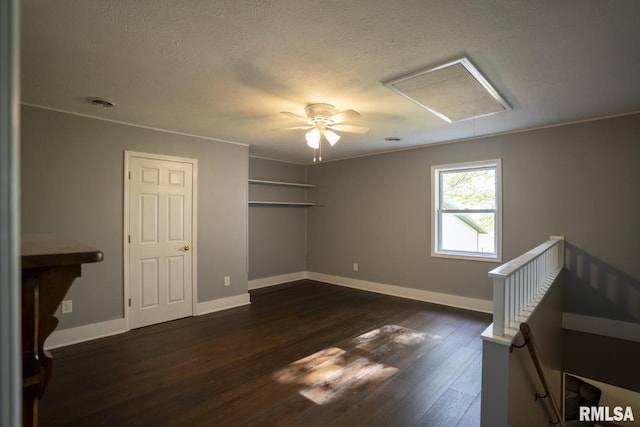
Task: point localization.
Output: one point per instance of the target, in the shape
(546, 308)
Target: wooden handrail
(537, 362)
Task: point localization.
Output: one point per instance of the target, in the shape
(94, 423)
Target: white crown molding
(120, 122)
(253, 156)
(480, 137)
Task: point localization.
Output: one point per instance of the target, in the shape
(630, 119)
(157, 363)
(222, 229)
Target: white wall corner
(473, 304)
(64, 337)
(277, 280)
(220, 304)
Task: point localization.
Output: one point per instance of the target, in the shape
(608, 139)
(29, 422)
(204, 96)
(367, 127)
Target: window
(466, 210)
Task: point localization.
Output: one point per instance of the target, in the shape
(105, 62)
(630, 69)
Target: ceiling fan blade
(344, 116)
(350, 128)
(295, 116)
(296, 127)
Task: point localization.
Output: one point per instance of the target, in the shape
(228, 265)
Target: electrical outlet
(67, 306)
(227, 280)
(355, 266)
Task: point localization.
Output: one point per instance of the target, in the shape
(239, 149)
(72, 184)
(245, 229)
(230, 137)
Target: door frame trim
(194, 229)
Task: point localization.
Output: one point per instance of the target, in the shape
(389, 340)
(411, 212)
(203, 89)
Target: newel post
(560, 253)
(499, 297)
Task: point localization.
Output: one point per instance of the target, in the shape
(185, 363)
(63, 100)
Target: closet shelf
(281, 183)
(266, 203)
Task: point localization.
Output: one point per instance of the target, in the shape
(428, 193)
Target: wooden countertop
(47, 250)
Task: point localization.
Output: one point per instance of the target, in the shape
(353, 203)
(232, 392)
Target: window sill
(467, 256)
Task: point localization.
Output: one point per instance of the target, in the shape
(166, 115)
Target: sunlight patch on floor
(327, 375)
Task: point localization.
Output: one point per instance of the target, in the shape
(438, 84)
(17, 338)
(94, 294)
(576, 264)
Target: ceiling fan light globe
(313, 138)
(332, 137)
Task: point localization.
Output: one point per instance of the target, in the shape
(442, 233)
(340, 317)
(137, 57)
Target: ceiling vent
(454, 91)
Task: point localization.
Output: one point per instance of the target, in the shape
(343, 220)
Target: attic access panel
(454, 91)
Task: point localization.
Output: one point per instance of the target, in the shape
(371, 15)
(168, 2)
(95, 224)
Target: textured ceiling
(226, 69)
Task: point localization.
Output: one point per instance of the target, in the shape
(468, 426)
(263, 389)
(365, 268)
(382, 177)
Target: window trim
(436, 252)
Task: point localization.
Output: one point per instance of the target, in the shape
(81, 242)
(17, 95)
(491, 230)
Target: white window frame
(436, 211)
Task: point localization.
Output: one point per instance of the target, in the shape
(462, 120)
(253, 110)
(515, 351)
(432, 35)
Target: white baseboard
(223, 303)
(64, 337)
(276, 280)
(474, 304)
(600, 326)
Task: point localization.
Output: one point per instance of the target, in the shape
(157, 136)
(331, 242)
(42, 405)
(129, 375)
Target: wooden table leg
(32, 370)
(57, 283)
(50, 264)
(42, 292)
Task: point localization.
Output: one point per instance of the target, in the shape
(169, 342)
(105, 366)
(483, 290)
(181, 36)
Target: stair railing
(521, 283)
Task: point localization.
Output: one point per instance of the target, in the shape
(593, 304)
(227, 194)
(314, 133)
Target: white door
(161, 234)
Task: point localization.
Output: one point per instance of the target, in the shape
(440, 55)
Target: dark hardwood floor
(302, 354)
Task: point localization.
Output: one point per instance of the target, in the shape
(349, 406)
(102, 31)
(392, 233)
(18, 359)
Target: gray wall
(277, 235)
(72, 184)
(579, 181)
(606, 359)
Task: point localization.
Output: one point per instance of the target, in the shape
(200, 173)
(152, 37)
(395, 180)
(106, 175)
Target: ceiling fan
(322, 120)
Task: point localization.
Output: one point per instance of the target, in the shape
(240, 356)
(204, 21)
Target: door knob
(185, 248)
